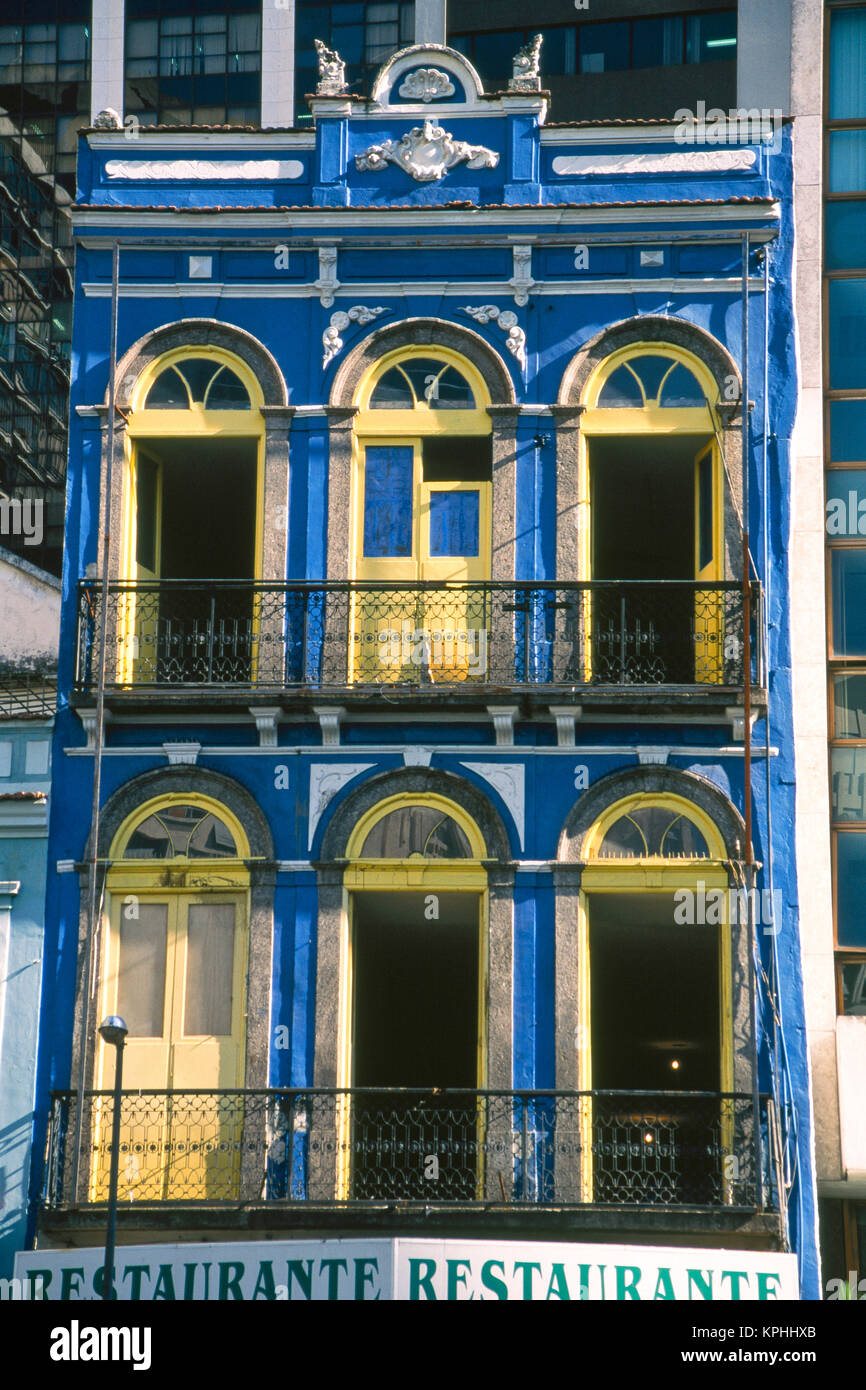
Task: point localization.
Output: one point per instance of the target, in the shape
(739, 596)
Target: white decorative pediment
(426, 153)
(426, 84)
(332, 341)
(508, 779)
(681, 162)
(506, 319)
(326, 779)
(198, 169)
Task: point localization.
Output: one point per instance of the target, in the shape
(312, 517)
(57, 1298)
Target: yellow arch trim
(159, 803)
(669, 801)
(404, 354)
(435, 802)
(616, 359)
(214, 354)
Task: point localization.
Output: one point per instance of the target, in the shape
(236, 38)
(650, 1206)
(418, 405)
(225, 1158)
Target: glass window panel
(212, 839)
(682, 390)
(182, 24)
(142, 39)
(847, 161)
(11, 33)
(848, 64)
(847, 334)
(227, 392)
(557, 51)
(211, 23)
(657, 42)
(417, 830)
(150, 840)
(620, 391)
(388, 474)
(652, 371)
(168, 392)
(492, 53)
(72, 42)
(653, 830)
(198, 373)
(141, 970)
(245, 33)
(846, 502)
(348, 40)
(851, 889)
(845, 240)
(848, 783)
(209, 970)
(604, 47)
(849, 704)
(454, 523)
(711, 37)
(423, 373)
(848, 431)
(624, 839)
(853, 977)
(849, 602)
(452, 392)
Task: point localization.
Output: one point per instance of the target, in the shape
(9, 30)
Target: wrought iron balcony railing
(346, 1147)
(338, 636)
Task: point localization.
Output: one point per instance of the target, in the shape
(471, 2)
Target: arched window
(653, 478)
(653, 831)
(422, 381)
(198, 381)
(181, 831)
(414, 1012)
(422, 515)
(416, 830)
(192, 530)
(647, 381)
(174, 968)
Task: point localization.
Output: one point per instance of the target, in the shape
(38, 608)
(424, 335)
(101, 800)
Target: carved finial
(332, 71)
(107, 119)
(525, 67)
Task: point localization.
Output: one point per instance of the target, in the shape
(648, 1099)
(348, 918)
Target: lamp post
(113, 1030)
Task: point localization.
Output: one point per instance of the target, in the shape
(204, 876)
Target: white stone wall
(29, 614)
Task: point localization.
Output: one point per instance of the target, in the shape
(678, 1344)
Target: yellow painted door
(418, 533)
(176, 976)
(709, 612)
(455, 553)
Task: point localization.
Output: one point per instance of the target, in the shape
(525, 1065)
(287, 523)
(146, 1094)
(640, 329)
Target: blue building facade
(424, 455)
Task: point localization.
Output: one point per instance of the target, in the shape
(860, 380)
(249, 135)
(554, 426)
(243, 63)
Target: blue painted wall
(352, 204)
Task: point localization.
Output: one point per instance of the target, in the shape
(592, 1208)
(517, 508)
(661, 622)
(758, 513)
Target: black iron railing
(334, 636)
(333, 1147)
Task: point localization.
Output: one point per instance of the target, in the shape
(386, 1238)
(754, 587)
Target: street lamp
(113, 1030)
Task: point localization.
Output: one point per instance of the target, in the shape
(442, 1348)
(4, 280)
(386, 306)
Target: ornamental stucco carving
(332, 71)
(332, 342)
(508, 780)
(525, 66)
(426, 152)
(326, 779)
(506, 319)
(426, 84)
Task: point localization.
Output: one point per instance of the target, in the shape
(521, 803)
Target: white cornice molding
(336, 219)
(145, 139)
(405, 288)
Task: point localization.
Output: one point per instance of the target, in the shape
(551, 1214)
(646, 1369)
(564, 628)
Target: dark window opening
(457, 459)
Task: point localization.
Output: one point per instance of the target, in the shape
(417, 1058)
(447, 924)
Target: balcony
(300, 1157)
(625, 642)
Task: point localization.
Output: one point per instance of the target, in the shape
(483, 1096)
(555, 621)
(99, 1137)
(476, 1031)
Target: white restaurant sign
(412, 1270)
